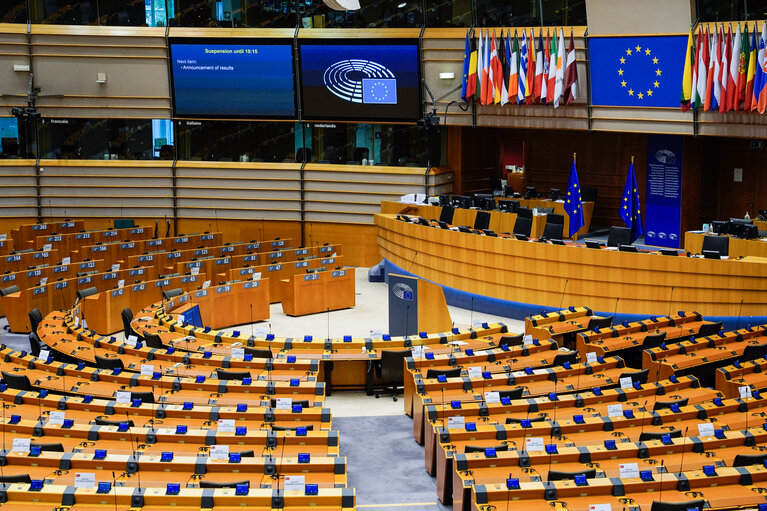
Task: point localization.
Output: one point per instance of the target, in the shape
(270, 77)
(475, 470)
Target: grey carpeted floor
(13, 341)
(385, 465)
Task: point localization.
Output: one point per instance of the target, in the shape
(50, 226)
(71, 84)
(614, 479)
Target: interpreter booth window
(9, 138)
(509, 13)
(97, 139)
(372, 14)
(88, 12)
(13, 11)
(234, 13)
(367, 144)
(448, 13)
(731, 10)
(236, 141)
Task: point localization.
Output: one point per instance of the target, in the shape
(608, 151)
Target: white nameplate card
(206, 284)
(85, 479)
(238, 353)
(147, 370)
(475, 372)
(456, 422)
(628, 470)
(705, 429)
(627, 382)
(21, 445)
(226, 425)
(284, 403)
(591, 358)
(535, 443)
(122, 397)
(219, 452)
(615, 410)
(745, 392)
(492, 397)
(56, 418)
(294, 483)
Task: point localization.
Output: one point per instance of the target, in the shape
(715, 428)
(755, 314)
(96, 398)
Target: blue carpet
(385, 465)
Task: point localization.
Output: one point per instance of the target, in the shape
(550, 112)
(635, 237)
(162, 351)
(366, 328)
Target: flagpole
(573, 157)
(632, 160)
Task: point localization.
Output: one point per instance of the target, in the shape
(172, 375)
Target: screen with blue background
(640, 71)
(363, 82)
(233, 79)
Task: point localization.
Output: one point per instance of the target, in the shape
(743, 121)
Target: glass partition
(13, 11)
(236, 141)
(88, 139)
(234, 13)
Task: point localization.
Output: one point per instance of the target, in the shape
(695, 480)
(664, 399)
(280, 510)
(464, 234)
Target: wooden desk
(102, 310)
(26, 233)
(499, 222)
(535, 273)
(738, 247)
(229, 304)
(318, 292)
(20, 261)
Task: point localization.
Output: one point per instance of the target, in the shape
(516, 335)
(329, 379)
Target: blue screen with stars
(641, 71)
(366, 81)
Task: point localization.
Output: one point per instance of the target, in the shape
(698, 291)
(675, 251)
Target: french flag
(760, 80)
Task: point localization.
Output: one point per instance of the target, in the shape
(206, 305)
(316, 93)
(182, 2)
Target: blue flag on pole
(631, 212)
(573, 204)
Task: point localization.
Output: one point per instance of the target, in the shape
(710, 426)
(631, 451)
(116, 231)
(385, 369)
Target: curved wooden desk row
(738, 247)
(79, 345)
(731, 378)
(18, 497)
(567, 405)
(22, 260)
(80, 409)
(60, 292)
(535, 273)
(499, 221)
(28, 232)
(702, 356)
(6, 246)
(68, 378)
(73, 244)
(693, 489)
(122, 250)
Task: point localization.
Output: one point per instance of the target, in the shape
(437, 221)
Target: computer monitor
(444, 199)
(668, 252)
(711, 254)
(749, 231)
(423, 221)
(508, 206)
(531, 193)
(556, 194)
(556, 242)
(594, 244)
(763, 215)
(461, 201)
(737, 226)
(488, 232)
(484, 201)
(720, 227)
(508, 191)
(627, 248)
(443, 225)
(522, 237)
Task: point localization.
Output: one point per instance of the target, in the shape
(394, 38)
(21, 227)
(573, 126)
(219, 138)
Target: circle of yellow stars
(639, 94)
(626, 207)
(576, 200)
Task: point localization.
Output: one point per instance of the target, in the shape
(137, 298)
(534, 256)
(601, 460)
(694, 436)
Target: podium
(323, 291)
(416, 305)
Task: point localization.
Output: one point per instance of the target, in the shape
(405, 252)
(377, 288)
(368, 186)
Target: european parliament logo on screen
(360, 81)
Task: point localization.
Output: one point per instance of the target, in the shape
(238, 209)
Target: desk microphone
(114, 488)
(681, 461)
(412, 262)
(215, 215)
(562, 300)
(251, 319)
(670, 299)
(134, 447)
(471, 318)
(617, 299)
(740, 311)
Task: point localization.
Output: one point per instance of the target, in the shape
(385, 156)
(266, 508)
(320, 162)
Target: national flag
(514, 71)
(725, 69)
(742, 68)
(687, 75)
(487, 85)
(716, 56)
(709, 96)
(480, 65)
(522, 89)
(573, 203)
(495, 73)
(540, 59)
(465, 94)
(531, 62)
(631, 211)
(545, 75)
(504, 56)
(552, 70)
(701, 70)
(732, 78)
(559, 82)
(507, 69)
(760, 87)
(751, 73)
(571, 73)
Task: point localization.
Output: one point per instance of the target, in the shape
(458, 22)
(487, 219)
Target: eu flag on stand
(631, 212)
(573, 204)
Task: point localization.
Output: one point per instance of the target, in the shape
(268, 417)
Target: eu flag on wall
(639, 71)
(573, 204)
(631, 212)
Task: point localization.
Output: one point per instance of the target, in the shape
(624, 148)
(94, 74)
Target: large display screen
(364, 80)
(232, 78)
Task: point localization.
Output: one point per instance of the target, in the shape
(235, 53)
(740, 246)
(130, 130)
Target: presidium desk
(545, 274)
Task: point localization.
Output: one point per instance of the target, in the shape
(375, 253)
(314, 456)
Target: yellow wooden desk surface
(535, 273)
(693, 243)
(499, 222)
